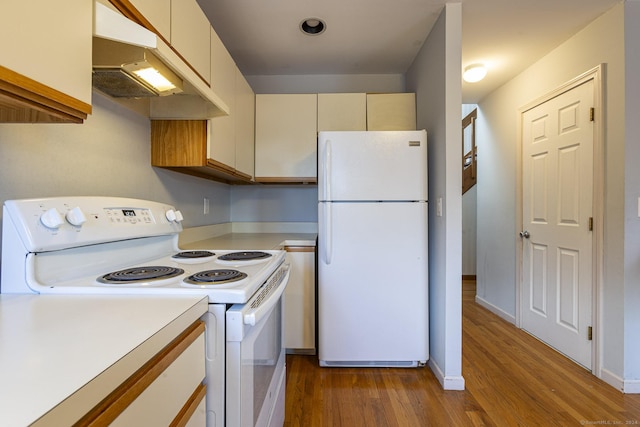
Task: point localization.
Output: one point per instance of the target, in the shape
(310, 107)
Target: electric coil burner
(193, 257)
(215, 277)
(245, 256)
(193, 254)
(139, 274)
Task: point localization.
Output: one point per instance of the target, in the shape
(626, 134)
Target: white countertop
(257, 241)
(61, 354)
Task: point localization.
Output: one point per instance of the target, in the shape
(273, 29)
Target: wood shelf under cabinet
(287, 180)
(181, 145)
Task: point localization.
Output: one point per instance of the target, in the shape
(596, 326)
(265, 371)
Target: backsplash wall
(108, 155)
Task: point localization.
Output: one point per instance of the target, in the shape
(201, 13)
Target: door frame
(596, 74)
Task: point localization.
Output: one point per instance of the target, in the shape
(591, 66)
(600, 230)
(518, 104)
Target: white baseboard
(612, 379)
(632, 386)
(447, 382)
(617, 382)
(496, 310)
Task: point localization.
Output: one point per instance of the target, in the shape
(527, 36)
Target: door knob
(525, 234)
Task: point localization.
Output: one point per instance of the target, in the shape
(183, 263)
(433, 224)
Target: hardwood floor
(511, 380)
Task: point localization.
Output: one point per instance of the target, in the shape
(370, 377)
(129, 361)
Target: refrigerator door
(367, 166)
(373, 284)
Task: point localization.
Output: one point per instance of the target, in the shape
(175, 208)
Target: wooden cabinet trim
(24, 96)
(131, 12)
(286, 180)
(300, 248)
(117, 401)
(189, 408)
(228, 170)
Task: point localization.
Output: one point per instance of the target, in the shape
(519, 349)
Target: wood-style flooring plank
(511, 379)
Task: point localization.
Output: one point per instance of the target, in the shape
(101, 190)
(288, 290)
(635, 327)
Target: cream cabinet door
(245, 125)
(391, 111)
(49, 42)
(222, 136)
(158, 13)
(191, 35)
(342, 111)
(300, 301)
(286, 137)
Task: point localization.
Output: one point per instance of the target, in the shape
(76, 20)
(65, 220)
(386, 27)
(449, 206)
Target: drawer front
(160, 403)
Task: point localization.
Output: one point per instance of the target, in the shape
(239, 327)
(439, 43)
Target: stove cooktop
(224, 279)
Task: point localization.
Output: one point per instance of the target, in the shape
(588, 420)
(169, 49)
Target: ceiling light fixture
(312, 26)
(474, 73)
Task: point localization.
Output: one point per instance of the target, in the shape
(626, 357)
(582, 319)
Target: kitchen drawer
(169, 388)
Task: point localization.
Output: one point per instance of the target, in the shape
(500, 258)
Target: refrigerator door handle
(327, 232)
(327, 171)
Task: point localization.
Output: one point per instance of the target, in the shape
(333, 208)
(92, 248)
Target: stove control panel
(54, 223)
(129, 216)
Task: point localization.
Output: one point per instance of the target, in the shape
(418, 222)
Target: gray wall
(327, 83)
(435, 77)
(274, 203)
(108, 155)
(469, 215)
(631, 364)
(603, 41)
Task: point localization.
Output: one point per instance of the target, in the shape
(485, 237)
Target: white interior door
(556, 298)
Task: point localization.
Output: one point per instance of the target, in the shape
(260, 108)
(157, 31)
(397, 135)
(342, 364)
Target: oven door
(256, 358)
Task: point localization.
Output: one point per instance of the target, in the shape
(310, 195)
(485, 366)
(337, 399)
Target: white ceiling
(384, 36)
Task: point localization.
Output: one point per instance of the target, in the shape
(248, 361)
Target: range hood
(124, 51)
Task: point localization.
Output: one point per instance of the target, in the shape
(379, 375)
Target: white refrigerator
(373, 306)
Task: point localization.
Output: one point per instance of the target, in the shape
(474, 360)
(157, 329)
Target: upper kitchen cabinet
(184, 146)
(342, 111)
(360, 111)
(286, 138)
(45, 61)
(175, 32)
(391, 111)
(157, 14)
(191, 36)
(245, 126)
(180, 23)
(231, 137)
(222, 146)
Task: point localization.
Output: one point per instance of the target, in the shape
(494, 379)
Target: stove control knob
(52, 219)
(171, 215)
(179, 216)
(76, 217)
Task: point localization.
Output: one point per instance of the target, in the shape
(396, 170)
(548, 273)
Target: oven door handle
(261, 304)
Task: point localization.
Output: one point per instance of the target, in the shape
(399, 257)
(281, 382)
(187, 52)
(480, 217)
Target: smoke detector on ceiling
(313, 26)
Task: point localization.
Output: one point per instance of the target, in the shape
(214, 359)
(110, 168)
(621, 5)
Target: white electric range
(106, 245)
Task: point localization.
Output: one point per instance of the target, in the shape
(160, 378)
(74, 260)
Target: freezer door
(372, 283)
(372, 165)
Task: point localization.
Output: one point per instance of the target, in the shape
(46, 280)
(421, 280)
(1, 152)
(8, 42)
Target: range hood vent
(118, 69)
(123, 52)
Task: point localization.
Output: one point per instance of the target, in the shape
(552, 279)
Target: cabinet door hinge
(590, 333)
(592, 114)
(591, 223)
